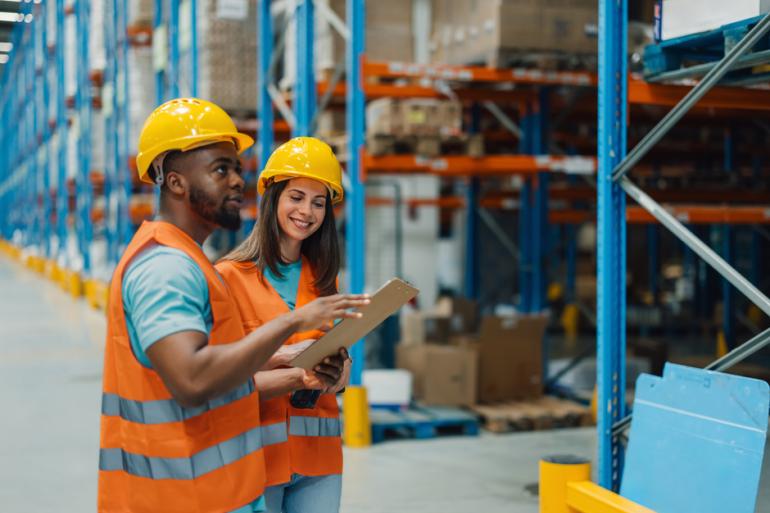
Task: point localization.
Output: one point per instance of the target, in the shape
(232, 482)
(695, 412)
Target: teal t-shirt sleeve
(164, 292)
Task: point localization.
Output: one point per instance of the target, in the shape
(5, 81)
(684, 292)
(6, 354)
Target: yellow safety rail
(565, 487)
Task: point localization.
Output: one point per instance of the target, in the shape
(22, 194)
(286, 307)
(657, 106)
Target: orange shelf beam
(693, 214)
(374, 91)
(478, 166)
(478, 74)
(644, 93)
(700, 214)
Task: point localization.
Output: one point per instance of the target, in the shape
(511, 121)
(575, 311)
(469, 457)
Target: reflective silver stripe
(274, 434)
(314, 426)
(166, 410)
(207, 460)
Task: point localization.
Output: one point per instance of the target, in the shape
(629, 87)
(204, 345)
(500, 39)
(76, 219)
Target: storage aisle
(50, 381)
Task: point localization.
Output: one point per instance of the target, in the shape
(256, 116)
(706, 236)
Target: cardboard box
(686, 17)
(511, 358)
(463, 313)
(449, 317)
(442, 375)
(478, 31)
(413, 116)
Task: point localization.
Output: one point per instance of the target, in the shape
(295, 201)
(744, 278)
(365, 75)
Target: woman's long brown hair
(263, 245)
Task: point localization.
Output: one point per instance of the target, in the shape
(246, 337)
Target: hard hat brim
(337, 193)
(241, 141)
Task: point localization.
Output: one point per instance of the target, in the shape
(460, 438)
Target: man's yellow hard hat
(304, 157)
(184, 124)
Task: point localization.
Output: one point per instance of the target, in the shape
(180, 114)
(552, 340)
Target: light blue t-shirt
(288, 285)
(165, 292)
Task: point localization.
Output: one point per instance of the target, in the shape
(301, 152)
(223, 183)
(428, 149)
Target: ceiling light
(6, 47)
(3, 58)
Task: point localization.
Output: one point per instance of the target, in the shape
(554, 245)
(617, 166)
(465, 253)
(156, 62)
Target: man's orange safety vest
(314, 445)
(156, 455)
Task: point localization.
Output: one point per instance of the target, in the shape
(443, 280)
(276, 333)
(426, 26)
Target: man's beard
(208, 210)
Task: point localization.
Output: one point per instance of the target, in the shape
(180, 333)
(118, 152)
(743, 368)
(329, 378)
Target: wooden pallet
(688, 52)
(538, 414)
(421, 423)
(426, 145)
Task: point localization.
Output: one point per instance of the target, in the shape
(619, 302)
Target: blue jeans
(305, 495)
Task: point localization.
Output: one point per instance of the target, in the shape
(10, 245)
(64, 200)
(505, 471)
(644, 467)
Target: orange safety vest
(314, 446)
(156, 455)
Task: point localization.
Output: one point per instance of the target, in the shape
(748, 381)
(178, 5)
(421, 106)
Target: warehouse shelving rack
(301, 117)
(613, 185)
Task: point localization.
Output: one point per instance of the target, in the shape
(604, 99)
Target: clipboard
(384, 303)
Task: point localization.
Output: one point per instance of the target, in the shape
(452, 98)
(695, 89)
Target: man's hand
(344, 379)
(321, 311)
(331, 369)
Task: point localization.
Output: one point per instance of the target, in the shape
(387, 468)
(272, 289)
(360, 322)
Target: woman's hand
(319, 313)
(286, 354)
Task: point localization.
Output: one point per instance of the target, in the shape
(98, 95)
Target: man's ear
(176, 183)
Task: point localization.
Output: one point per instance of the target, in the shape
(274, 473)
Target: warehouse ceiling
(8, 8)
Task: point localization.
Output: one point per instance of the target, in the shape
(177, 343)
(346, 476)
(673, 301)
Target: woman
(291, 258)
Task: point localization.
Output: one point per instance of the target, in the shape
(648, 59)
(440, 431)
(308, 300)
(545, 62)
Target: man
(180, 428)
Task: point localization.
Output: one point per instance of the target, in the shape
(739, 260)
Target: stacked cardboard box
(454, 364)
(389, 37)
(413, 116)
(488, 31)
(388, 34)
(227, 55)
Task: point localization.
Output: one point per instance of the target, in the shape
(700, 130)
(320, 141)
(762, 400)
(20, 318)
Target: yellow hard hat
(304, 157)
(184, 124)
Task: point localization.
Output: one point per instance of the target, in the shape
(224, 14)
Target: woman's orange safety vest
(314, 446)
(156, 455)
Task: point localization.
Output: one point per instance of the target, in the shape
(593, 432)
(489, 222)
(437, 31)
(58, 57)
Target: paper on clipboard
(384, 303)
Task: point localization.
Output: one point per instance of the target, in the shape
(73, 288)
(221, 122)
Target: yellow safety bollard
(357, 428)
(570, 322)
(89, 289)
(721, 345)
(74, 284)
(39, 265)
(555, 292)
(556, 472)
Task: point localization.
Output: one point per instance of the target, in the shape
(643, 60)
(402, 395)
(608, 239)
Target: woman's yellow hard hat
(304, 157)
(184, 124)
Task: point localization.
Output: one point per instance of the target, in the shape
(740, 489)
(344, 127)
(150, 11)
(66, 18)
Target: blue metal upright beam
(653, 259)
(611, 239)
(265, 136)
(728, 297)
(109, 113)
(45, 96)
(471, 238)
(84, 198)
(471, 278)
(305, 90)
(62, 129)
(540, 207)
(122, 98)
(166, 50)
(355, 213)
(525, 216)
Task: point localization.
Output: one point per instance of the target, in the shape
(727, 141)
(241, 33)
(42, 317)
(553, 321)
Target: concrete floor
(50, 381)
